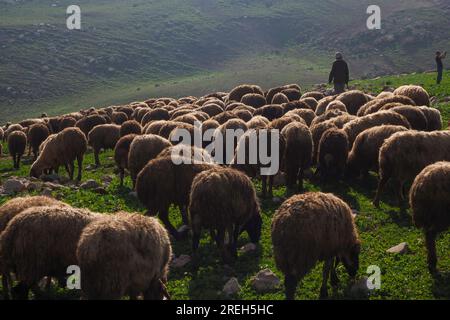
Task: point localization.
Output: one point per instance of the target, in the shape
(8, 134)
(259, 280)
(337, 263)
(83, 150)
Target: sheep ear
(164, 290)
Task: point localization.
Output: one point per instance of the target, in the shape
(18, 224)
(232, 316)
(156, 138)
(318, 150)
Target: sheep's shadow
(441, 285)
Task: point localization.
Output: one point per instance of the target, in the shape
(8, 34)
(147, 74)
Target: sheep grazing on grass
(336, 105)
(313, 94)
(323, 104)
(65, 122)
(405, 154)
(223, 117)
(124, 255)
(162, 182)
(353, 100)
(17, 143)
(280, 98)
(340, 121)
(376, 105)
(211, 109)
(10, 129)
(154, 115)
(154, 127)
(37, 134)
(237, 93)
(311, 102)
(317, 131)
(121, 152)
(355, 127)
(434, 119)
(40, 242)
(307, 115)
(88, 123)
(430, 201)
(416, 93)
(270, 111)
(333, 153)
(224, 201)
(242, 114)
(365, 152)
(235, 127)
(297, 157)
(258, 122)
(61, 149)
(414, 115)
(2, 134)
(330, 114)
(119, 117)
(296, 105)
(314, 227)
(104, 137)
(130, 127)
(254, 100)
(292, 94)
(143, 149)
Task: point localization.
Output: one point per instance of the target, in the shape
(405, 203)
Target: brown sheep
(212, 109)
(62, 149)
(414, 115)
(39, 242)
(418, 94)
(336, 105)
(332, 154)
(317, 131)
(224, 201)
(119, 117)
(121, 152)
(313, 94)
(282, 122)
(154, 115)
(434, 119)
(340, 121)
(126, 254)
(130, 127)
(234, 129)
(104, 137)
(280, 98)
(88, 123)
(242, 114)
(66, 122)
(311, 102)
(154, 127)
(237, 93)
(292, 94)
(323, 104)
(254, 100)
(429, 200)
(355, 127)
(364, 154)
(297, 157)
(2, 134)
(307, 115)
(405, 154)
(162, 183)
(258, 122)
(37, 133)
(353, 100)
(296, 105)
(169, 126)
(270, 111)
(330, 114)
(17, 143)
(11, 129)
(314, 227)
(223, 117)
(376, 105)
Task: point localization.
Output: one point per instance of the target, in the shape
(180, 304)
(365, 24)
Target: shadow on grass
(441, 285)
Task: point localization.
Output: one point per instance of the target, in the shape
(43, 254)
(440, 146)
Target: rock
(265, 281)
(249, 247)
(181, 261)
(107, 179)
(51, 186)
(100, 190)
(33, 186)
(13, 185)
(90, 184)
(401, 248)
(232, 287)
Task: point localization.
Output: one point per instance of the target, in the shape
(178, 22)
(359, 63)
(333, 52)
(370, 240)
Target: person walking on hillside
(440, 65)
(339, 74)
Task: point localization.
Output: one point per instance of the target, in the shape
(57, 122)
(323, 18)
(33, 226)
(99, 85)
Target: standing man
(339, 74)
(439, 65)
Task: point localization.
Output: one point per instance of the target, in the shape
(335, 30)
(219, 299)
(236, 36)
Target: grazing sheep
(130, 127)
(375, 105)
(306, 114)
(317, 131)
(416, 93)
(169, 126)
(311, 102)
(336, 105)
(333, 153)
(119, 117)
(41, 241)
(254, 100)
(292, 94)
(434, 119)
(280, 123)
(224, 201)
(340, 121)
(11, 129)
(37, 134)
(323, 104)
(296, 105)
(104, 137)
(154, 127)
(242, 114)
(162, 183)
(330, 114)
(121, 152)
(258, 122)
(280, 98)
(405, 154)
(61, 149)
(365, 152)
(66, 122)
(297, 157)
(270, 111)
(154, 115)
(355, 127)
(88, 123)
(313, 94)
(353, 100)
(314, 227)
(235, 127)
(211, 109)
(414, 115)
(237, 93)
(223, 117)
(17, 143)
(429, 200)
(126, 254)
(143, 149)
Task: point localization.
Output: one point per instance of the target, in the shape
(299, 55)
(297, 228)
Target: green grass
(403, 276)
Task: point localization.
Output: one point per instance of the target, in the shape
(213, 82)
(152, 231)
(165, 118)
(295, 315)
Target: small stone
(249, 247)
(265, 281)
(13, 185)
(33, 186)
(90, 184)
(181, 261)
(46, 192)
(232, 287)
(401, 248)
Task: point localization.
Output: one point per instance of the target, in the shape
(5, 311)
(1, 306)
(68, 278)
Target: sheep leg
(334, 279)
(5, 285)
(121, 175)
(264, 186)
(222, 246)
(80, 166)
(68, 171)
(381, 183)
(18, 161)
(164, 216)
(20, 291)
(184, 215)
(271, 186)
(327, 266)
(300, 176)
(290, 285)
(97, 160)
(430, 241)
(14, 161)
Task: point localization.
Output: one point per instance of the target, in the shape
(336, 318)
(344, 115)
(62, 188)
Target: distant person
(440, 65)
(339, 74)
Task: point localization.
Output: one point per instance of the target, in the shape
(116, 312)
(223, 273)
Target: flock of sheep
(396, 134)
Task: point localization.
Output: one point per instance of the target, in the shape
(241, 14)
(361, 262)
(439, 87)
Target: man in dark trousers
(339, 74)
(440, 65)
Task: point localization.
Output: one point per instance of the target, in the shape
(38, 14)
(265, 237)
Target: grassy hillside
(403, 276)
(140, 46)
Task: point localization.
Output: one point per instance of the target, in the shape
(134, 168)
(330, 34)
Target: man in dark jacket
(339, 74)
(440, 65)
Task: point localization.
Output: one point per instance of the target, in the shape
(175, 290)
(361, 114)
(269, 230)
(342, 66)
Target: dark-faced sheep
(104, 137)
(126, 254)
(37, 134)
(121, 152)
(430, 201)
(119, 117)
(405, 154)
(62, 149)
(365, 152)
(416, 93)
(224, 201)
(17, 143)
(88, 123)
(66, 122)
(314, 227)
(130, 127)
(333, 153)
